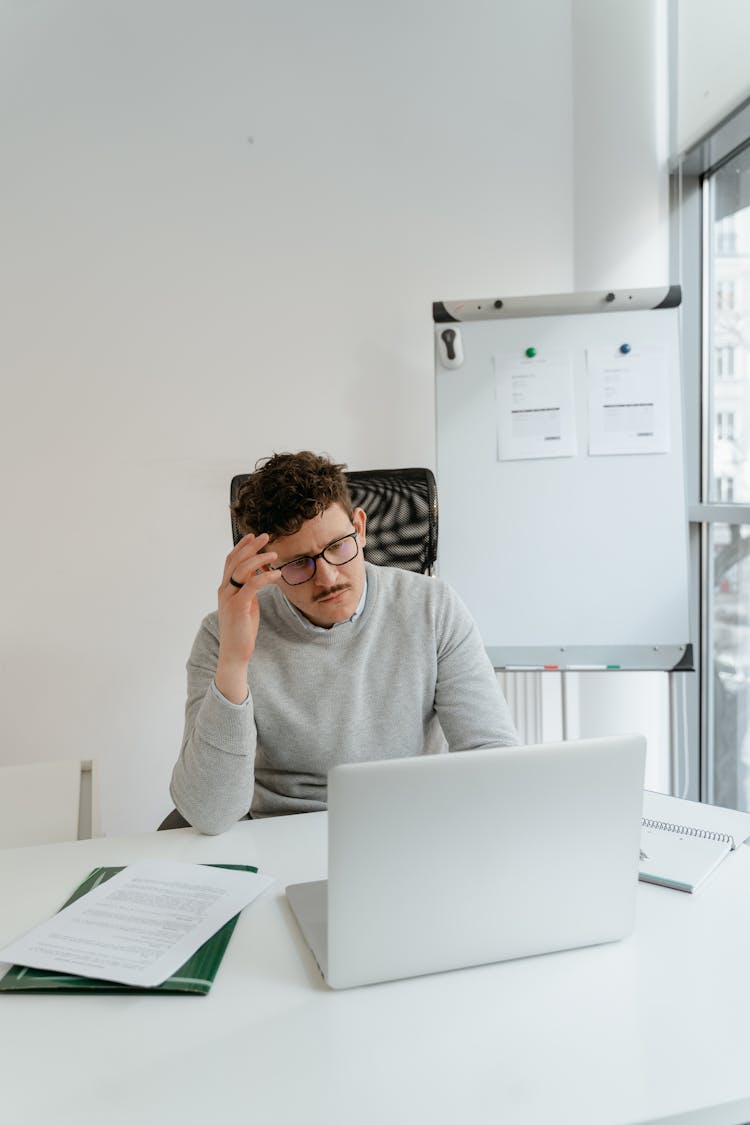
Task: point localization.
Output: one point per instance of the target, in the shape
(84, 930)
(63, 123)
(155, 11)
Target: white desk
(656, 1028)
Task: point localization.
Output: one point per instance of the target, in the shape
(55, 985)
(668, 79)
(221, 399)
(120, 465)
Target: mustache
(331, 590)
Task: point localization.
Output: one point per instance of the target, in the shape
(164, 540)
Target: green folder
(196, 975)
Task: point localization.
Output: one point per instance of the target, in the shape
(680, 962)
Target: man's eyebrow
(308, 555)
(336, 538)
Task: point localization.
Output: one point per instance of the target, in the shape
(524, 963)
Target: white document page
(628, 401)
(141, 925)
(535, 406)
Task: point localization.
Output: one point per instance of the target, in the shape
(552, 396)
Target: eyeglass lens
(301, 570)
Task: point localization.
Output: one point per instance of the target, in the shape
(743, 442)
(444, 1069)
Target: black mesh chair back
(402, 515)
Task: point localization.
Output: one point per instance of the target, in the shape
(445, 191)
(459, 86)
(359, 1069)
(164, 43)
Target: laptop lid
(445, 861)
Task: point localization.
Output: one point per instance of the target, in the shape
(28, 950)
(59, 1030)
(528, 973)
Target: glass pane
(729, 334)
(729, 676)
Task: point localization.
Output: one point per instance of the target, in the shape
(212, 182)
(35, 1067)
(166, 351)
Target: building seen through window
(725, 425)
(727, 462)
(724, 362)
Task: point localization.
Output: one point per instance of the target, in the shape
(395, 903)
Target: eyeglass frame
(320, 555)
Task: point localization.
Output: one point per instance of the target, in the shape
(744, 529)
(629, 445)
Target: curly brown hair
(286, 490)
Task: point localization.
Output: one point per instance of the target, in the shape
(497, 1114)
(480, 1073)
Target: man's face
(333, 592)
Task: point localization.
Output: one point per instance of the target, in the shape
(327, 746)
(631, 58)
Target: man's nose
(325, 574)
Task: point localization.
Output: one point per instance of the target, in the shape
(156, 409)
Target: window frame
(691, 250)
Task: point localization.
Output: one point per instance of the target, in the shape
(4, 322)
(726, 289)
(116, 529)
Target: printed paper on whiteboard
(628, 401)
(535, 406)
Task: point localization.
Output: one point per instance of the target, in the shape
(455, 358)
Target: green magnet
(531, 352)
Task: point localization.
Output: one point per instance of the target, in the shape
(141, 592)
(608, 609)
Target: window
(724, 362)
(724, 490)
(725, 425)
(726, 200)
(725, 459)
(728, 658)
(711, 257)
(725, 293)
(726, 237)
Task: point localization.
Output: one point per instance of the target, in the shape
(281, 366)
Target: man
(316, 657)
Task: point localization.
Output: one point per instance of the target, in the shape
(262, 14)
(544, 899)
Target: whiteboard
(565, 562)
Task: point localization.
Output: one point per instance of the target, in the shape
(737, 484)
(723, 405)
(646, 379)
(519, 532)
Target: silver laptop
(450, 860)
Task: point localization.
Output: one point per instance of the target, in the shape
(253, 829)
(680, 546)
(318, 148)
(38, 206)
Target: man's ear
(359, 519)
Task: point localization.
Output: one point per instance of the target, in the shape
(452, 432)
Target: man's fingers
(251, 579)
(246, 558)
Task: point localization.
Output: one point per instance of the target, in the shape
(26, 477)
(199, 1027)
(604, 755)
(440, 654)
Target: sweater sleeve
(212, 781)
(472, 709)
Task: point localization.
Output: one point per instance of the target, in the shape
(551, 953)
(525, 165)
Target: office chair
(402, 529)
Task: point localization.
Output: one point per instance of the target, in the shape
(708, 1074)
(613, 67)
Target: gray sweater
(405, 677)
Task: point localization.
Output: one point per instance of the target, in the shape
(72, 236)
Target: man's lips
(329, 595)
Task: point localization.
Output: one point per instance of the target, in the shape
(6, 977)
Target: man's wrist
(231, 681)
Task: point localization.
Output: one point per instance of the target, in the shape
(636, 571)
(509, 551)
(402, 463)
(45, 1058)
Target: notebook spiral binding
(684, 830)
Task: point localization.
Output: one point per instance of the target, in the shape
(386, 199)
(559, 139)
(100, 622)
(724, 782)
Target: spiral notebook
(683, 842)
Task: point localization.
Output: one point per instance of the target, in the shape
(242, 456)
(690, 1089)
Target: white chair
(48, 803)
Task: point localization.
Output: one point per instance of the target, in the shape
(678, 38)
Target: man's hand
(239, 614)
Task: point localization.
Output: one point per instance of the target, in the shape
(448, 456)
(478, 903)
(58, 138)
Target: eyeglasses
(302, 569)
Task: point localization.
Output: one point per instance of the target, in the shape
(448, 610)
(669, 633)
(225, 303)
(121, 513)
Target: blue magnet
(624, 348)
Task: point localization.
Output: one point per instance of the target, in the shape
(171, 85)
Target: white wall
(621, 207)
(713, 74)
(180, 300)
(621, 138)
